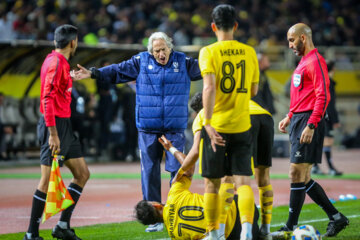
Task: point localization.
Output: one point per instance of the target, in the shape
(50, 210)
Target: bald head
(300, 39)
(301, 28)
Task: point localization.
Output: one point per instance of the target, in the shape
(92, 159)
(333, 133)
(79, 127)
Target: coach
(162, 91)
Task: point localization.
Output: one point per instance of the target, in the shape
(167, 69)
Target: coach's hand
(283, 124)
(307, 135)
(216, 138)
(82, 73)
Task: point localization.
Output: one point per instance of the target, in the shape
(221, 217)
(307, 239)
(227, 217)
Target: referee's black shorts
(232, 159)
(262, 131)
(305, 153)
(69, 144)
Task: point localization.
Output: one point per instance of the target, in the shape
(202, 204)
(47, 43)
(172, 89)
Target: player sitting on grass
(183, 213)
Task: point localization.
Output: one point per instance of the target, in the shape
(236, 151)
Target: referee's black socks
(318, 195)
(297, 198)
(75, 192)
(37, 209)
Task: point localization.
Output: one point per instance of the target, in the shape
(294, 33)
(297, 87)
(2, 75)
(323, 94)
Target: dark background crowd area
(261, 22)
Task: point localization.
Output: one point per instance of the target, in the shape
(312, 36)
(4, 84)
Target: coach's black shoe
(283, 233)
(335, 226)
(64, 234)
(33, 238)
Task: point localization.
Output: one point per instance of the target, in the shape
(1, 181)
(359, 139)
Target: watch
(311, 126)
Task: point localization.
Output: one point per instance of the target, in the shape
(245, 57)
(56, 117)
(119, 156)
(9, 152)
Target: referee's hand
(307, 135)
(216, 138)
(283, 124)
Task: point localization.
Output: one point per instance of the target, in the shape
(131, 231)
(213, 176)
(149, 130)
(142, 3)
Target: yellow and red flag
(58, 198)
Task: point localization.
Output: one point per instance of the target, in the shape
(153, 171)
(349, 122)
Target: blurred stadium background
(114, 30)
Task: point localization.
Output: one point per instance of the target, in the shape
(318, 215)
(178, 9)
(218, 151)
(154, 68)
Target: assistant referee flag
(58, 198)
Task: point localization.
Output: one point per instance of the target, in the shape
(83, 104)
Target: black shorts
(329, 131)
(69, 144)
(232, 159)
(235, 232)
(262, 131)
(305, 153)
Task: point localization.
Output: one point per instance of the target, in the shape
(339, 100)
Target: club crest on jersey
(176, 66)
(297, 79)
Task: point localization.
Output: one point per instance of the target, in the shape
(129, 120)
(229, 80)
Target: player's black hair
(64, 34)
(224, 17)
(146, 213)
(330, 65)
(196, 102)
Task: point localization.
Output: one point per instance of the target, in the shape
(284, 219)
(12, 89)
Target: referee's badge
(297, 79)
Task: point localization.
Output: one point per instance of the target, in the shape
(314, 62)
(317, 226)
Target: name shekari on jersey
(296, 79)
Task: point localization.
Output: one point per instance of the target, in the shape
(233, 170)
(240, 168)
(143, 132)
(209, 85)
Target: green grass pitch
(311, 214)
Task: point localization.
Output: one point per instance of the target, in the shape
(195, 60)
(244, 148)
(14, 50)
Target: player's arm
(209, 92)
(181, 157)
(254, 89)
(320, 79)
(52, 80)
(256, 76)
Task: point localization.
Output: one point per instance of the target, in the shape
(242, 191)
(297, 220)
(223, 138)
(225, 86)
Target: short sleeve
(198, 122)
(205, 62)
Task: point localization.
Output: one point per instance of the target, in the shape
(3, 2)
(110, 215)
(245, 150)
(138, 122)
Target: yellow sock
(226, 194)
(246, 204)
(211, 202)
(266, 204)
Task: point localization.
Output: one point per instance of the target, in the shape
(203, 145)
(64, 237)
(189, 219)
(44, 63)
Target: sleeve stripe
(52, 81)
(324, 82)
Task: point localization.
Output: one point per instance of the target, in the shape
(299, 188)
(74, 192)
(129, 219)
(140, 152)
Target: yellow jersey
(183, 213)
(235, 67)
(256, 109)
(198, 122)
(197, 126)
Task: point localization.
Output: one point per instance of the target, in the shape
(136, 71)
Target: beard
(300, 49)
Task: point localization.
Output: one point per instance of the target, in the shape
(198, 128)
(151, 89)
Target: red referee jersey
(56, 85)
(310, 87)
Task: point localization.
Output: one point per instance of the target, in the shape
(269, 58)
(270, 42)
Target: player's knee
(82, 176)
(43, 185)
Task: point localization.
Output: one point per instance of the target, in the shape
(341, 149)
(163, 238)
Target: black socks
(37, 209)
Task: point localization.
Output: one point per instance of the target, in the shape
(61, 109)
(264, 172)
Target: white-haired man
(162, 86)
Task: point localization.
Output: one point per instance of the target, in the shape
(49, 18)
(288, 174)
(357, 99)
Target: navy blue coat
(162, 91)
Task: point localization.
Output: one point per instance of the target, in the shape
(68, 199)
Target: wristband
(172, 150)
(207, 122)
(181, 171)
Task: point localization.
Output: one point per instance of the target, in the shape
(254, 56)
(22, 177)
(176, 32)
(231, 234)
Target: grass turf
(311, 214)
(163, 175)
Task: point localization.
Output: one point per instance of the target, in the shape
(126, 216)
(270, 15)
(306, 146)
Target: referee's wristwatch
(311, 126)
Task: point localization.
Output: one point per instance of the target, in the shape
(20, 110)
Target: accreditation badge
(296, 79)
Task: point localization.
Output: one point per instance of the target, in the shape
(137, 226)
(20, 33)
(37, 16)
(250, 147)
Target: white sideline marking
(77, 217)
(311, 221)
